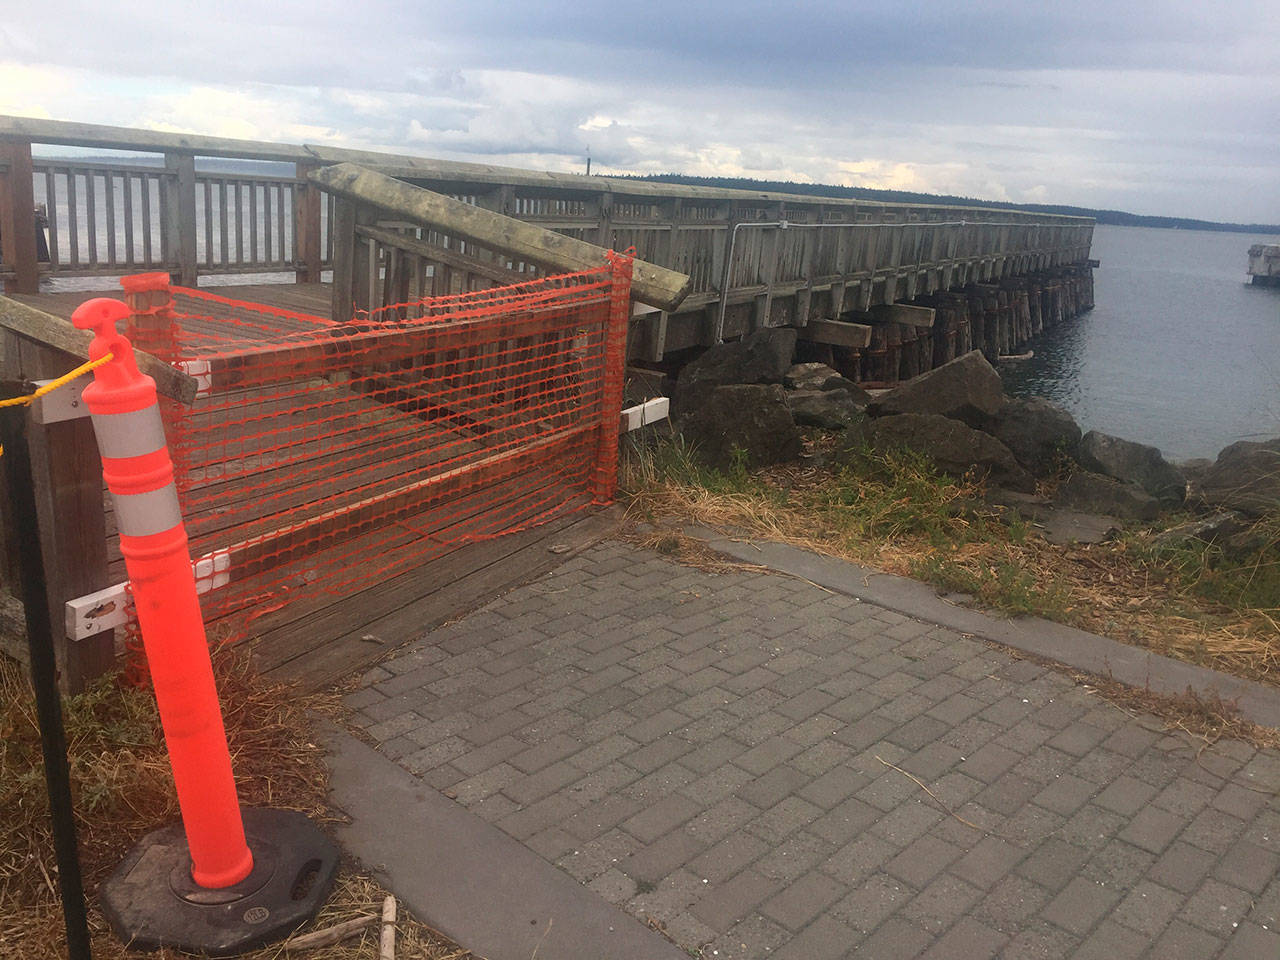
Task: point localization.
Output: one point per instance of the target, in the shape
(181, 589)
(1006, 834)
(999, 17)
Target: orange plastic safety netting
(322, 458)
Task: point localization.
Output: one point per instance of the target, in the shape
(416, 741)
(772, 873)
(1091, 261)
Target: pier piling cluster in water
(997, 318)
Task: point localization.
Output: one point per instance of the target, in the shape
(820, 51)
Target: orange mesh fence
(322, 458)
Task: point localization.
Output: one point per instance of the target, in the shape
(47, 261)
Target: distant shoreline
(1116, 218)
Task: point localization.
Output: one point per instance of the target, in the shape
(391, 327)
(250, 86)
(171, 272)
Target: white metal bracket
(651, 411)
(65, 403)
(108, 608)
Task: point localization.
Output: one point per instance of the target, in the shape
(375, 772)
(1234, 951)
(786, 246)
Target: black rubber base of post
(152, 902)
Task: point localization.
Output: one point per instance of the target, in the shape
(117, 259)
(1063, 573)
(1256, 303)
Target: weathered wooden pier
(847, 273)
(880, 291)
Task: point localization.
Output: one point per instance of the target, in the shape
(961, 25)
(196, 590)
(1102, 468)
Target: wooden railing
(108, 218)
(91, 217)
(754, 259)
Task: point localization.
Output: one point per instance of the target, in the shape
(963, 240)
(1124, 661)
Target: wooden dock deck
(310, 298)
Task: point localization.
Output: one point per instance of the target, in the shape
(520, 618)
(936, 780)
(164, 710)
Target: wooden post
(73, 535)
(18, 218)
(307, 256)
(365, 277)
(151, 325)
(180, 217)
(343, 231)
(10, 355)
(604, 234)
(769, 268)
(67, 474)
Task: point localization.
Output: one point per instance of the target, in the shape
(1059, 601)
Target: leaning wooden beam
(59, 334)
(836, 332)
(439, 254)
(903, 313)
(650, 283)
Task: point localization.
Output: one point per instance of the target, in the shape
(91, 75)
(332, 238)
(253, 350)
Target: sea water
(1179, 351)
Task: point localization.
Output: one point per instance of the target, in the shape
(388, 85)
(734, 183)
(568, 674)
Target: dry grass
(1206, 719)
(895, 513)
(123, 788)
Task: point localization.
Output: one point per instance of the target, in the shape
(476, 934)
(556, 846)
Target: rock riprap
(957, 449)
(1135, 463)
(751, 418)
(1245, 477)
(967, 389)
(1040, 434)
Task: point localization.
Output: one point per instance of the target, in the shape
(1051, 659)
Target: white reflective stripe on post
(132, 434)
(142, 514)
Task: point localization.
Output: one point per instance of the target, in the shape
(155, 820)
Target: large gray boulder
(1132, 462)
(751, 418)
(1038, 432)
(761, 357)
(966, 389)
(840, 384)
(808, 376)
(956, 448)
(1095, 493)
(829, 409)
(1245, 477)
(819, 376)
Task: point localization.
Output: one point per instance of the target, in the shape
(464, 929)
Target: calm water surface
(1179, 350)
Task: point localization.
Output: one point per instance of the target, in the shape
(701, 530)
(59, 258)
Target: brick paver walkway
(710, 751)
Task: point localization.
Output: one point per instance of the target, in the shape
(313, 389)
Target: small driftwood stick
(329, 935)
(920, 784)
(387, 949)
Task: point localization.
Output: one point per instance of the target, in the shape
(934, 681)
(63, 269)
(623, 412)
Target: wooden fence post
(10, 352)
(151, 326)
(351, 284)
(307, 256)
(180, 212)
(18, 218)
(67, 473)
(604, 233)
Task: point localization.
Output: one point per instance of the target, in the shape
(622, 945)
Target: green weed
(1246, 577)
(1003, 585)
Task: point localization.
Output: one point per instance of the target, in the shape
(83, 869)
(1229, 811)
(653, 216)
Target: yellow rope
(53, 385)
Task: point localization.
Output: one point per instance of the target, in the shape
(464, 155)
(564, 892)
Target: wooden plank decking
(301, 297)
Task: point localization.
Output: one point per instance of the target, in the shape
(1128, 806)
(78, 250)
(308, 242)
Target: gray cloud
(1170, 107)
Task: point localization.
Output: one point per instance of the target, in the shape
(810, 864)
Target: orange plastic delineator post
(153, 540)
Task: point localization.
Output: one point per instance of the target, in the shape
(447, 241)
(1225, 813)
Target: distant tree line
(1115, 217)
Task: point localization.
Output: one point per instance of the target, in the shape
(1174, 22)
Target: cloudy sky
(1162, 108)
